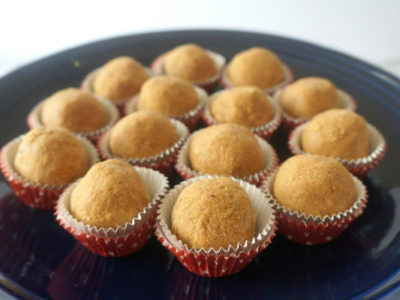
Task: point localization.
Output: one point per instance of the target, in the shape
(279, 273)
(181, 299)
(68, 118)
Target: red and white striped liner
(163, 162)
(220, 262)
(87, 84)
(34, 119)
(271, 161)
(157, 66)
(34, 194)
(359, 167)
(122, 240)
(265, 131)
(288, 73)
(346, 102)
(190, 119)
(309, 230)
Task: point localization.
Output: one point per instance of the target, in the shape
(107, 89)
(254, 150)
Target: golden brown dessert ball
(256, 66)
(142, 134)
(213, 213)
(338, 133)
(74, 109)
(315, 185)
(51, 156)
(111, 194)
(120, 79)
(190, 62)
(226, 149)
(308, 96)
(169, 95)
(247, 106)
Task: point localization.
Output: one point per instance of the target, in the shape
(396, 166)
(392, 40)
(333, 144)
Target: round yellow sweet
(257, 67)
(314, 185)
(226, 149)
(74, 109)
(213, 213)
(142, 134)
(309, 96)
(338, 133)
(190, 62)
(120, 79)
(247, 106)
(111, 194)
(51, 156)
(169, 95)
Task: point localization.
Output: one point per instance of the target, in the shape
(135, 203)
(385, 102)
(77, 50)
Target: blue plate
(38, 259)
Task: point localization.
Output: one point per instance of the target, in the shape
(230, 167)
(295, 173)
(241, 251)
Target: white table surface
(369, 30)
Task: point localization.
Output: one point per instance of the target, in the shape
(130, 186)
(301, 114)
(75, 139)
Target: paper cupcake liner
(265, 131)
(270, 157)
(157, 67)
(163, 162)
(87, 84)
(346, 102)
(34, 119)
(220, 262)
(359, 167)
(120, 241)
(288, 73)
(35, 194)
(191, 119)
(311, 230)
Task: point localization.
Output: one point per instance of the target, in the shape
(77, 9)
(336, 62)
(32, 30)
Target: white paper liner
(219, 61)
(9, 152)
(265, 220)
(87, 84)
(355, 210)
(288, 78)
(346, 102)
(131, 105)
(271, 125)
(377, 146)
(270, 160)
(157, 185)
(35, 120)
(181, 129)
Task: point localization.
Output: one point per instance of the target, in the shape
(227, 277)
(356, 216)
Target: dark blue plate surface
(38, 259)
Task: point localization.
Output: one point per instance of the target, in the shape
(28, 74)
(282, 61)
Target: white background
(367, 29)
